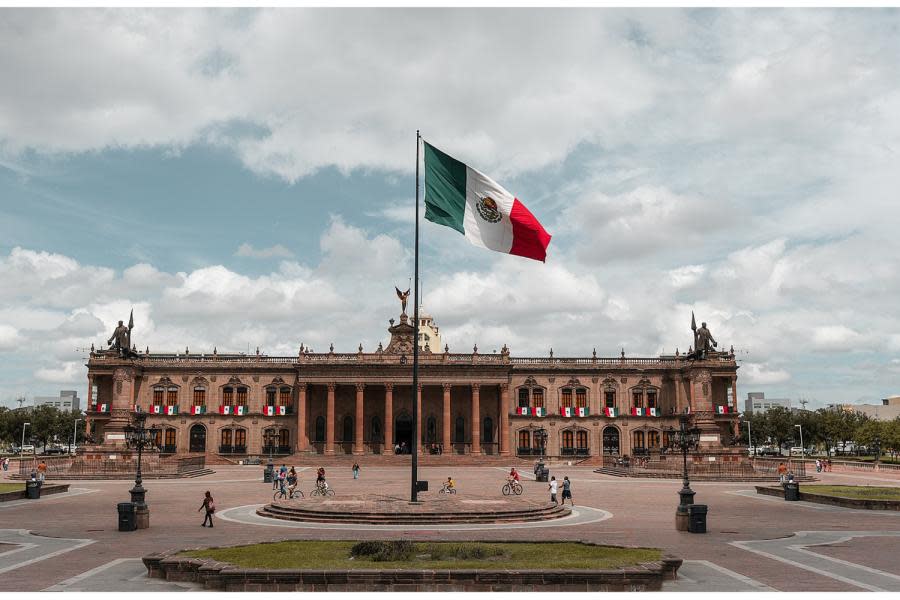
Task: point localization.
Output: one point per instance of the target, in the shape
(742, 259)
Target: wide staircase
(385, 460)
(712, 476)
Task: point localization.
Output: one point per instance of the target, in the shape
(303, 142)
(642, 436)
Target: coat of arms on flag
(610, 411)
(157, 409)
(637, 411)
(240, 410)
(653, 412)
(171, 410)
(103, 408)
(270, 411)
(581, 411)
(523, 410)
(224, 410)
(567, 411)
(539, 411)
(282, 410)
(198, 410)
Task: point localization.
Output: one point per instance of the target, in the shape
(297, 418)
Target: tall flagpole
(415, 378)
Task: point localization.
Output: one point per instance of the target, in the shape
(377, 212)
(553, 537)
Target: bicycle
(321, 490)
(287, 494)
(447, 490)
(512, 487)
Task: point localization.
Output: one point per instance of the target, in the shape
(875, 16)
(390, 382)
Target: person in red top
(513, 474)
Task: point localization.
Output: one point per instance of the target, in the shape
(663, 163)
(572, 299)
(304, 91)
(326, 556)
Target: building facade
(228, 406)
(67, 400)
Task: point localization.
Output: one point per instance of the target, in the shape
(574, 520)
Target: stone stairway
(623, 472)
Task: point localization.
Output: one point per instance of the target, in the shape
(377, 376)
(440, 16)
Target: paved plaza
(755, 543)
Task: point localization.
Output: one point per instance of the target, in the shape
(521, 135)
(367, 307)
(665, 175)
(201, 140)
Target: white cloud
(276, 251)
(9, 337)
(67, 372)
(761, 374)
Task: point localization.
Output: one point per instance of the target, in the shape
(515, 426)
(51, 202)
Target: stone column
(358, 420)
(90, 393)
(302, 434)
(504, 419)
(735, 425)
(418, 442)
(476, 418)
(388, 418)
(445, 427)
(329, 420)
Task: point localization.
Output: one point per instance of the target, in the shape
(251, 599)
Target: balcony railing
(167, 449)
(232, 449)
(528, 451)
(277, 450)
(569, 451)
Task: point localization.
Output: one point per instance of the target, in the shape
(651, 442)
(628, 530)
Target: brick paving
(642, 515)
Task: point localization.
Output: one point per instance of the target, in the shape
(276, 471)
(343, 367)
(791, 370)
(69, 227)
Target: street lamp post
(750, 438)
(22, 445)
(684, 438)
(74, 435)
(802, 447)
(877, 443)
(138, 436)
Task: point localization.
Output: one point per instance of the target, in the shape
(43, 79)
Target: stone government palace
(230, 406)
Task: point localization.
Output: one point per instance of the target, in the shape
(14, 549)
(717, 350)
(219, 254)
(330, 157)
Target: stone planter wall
(215, 575)
(46, 489)
(833, 500)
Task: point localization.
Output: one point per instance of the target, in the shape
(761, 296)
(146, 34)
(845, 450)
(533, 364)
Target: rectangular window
(199, 396)
(170, 437)
(158, 396)
(651, 398)
(270, 397)
(284, 438)
(537, 398)
(240, 437)
(226, 437)
(172, 397)
(637, 397)
(228, 397)
(581, 439)
(157, 438)
(567, 398)
(581, 398)
(524, 439)
(523, 397)
(568, 439)
(284, 397)
(610, 399)
(242, 397)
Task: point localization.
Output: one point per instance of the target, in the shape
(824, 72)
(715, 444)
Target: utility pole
(803, 402)
(21, 401)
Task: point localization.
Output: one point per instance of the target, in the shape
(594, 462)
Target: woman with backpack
(210, 506)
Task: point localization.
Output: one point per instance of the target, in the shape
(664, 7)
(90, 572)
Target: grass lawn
(11, 487)
(424, 555)
(860, 492)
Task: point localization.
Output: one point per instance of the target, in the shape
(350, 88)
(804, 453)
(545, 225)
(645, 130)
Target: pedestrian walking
(42, 471)
(828, 464)
(782, 472)
(554, 485)
(6, 464)
(355, 470)
(209, 506)
(818, 466)
(567, 491)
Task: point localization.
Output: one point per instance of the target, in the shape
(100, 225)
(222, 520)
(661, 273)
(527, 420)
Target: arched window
(524, 442)
(197, 438)
(487, 430)
(377, 434)
(169, 443)
(460, 430)
(320, 429)
(666, 439)
(348, 429)
(199, 396)
(653, 439)
(430, 430)
(284, 440)
(581, 439)
(638, 439)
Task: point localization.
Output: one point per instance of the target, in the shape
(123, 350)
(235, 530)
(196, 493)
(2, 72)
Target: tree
(779, 425)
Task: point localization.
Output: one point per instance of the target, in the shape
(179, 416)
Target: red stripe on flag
(530, 239)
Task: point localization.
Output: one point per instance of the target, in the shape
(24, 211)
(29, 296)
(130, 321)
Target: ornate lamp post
(541, 435)
(138, 436)
(877, 443)
(684, 438)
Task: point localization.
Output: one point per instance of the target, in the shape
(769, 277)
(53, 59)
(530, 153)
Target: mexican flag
(135, 408)
(637, 411)
(581, 412)
(722, 410)
(198, 410)
(224, 410)
(652, 412)
(240, 410)
(171, 410)
(282, 410)
(567, 411)
(611, 411)
(157, 409)
(458, 196)
(104, 407)
(270, 411)
(523, 410)
(539, 412)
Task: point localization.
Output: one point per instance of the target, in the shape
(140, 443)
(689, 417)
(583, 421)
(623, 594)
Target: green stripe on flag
(445, 189)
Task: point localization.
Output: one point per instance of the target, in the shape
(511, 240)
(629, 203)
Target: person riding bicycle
(292, 480)
(320, 479)
(450, 484)
(281, 478)
(513, 475)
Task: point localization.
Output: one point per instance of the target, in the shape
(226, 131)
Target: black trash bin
(33, 489)
(792, 492)
(127, 521)
(422, 486)
(269, 474)
(543, 474)
(697, 518)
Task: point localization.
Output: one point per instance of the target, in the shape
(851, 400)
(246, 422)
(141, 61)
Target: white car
(26, 449)
(797, 451)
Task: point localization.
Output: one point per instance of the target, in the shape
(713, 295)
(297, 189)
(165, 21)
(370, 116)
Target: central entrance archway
(198, 438)
(403, 427)
(610, 440)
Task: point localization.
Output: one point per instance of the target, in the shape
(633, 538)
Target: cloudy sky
(245, 178)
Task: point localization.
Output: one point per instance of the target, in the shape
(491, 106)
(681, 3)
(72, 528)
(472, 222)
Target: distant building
(888, 410)
(757, 402)
(429, 333)
(67, 400)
